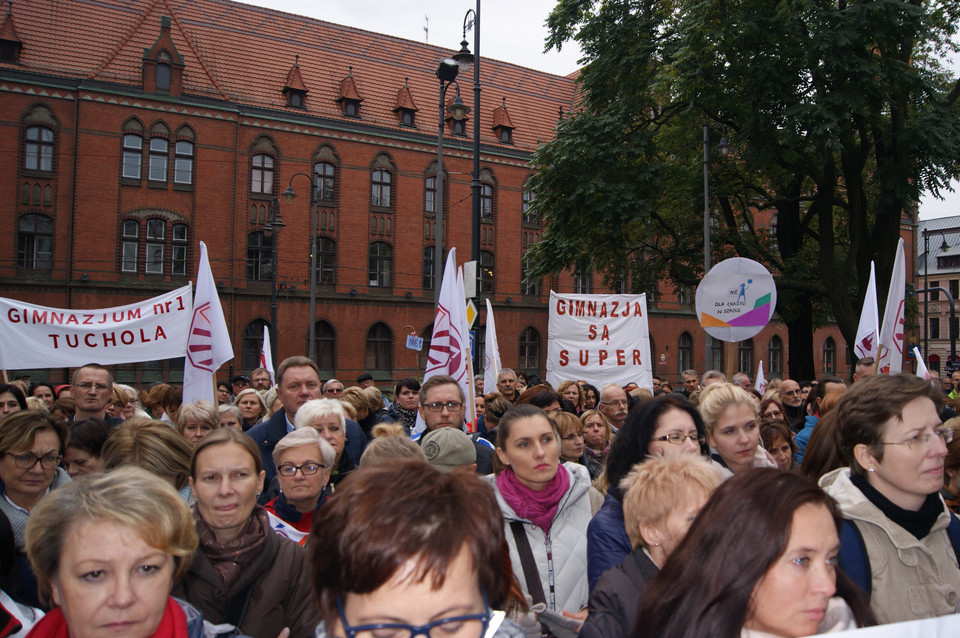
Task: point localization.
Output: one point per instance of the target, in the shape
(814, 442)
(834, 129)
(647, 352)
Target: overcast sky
(510, 30)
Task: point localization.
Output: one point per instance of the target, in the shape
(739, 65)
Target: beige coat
(911, 578)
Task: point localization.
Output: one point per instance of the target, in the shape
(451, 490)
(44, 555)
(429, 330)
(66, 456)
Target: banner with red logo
(34, 336)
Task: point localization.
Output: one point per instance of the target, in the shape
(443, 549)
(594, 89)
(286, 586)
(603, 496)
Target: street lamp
(289, 195)
(466, 59)
(272, 230)
(724, 148)
(447, 74)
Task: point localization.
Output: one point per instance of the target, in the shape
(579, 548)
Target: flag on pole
(761, 385)
(491, 358)
(208, 343)
(865, 344)
(470, 391)
(450, 342)
(266, 355)
(922, 371)
(891, 331)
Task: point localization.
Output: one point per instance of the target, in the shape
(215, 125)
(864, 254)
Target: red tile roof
(237, 52)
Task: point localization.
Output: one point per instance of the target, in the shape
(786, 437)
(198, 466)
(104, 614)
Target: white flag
(450, 343)
(865, 344)
(266, 354)
(208, 344)
(491, 359)
(469, 390)
(761, 385)
(922, 371)
(891, 331)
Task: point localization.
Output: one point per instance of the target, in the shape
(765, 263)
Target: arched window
(132, 155)
(684, 352)
(157, 240)
(183, 162)
(486, 201)
(430, 194)
(326, 175)
(326, 261)
(259, 256)
(261, 174)
(35, 242)
(775, 355)
(486, 272)
(381, 255)
(529, 353)
(157, 171)
(252, 344)
(380, 186)
(326, 343)
(745, 356)
(829, 355)
(163, 76)
(38, 152)
(379, 350)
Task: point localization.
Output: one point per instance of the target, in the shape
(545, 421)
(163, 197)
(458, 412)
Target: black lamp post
(272, 229)
(724, 148)
(289, 195)
(466, 59)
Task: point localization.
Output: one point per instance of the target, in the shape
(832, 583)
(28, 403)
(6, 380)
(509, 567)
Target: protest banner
(33, 336)
(941, 627)
(600, 338)
(736, 299)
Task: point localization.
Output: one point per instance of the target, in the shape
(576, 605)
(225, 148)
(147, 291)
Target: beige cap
(448, 448)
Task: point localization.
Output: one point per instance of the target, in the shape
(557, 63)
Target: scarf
(409, 417)
(172, 625)
(597, 455)
(231, 557)
(289, 514)
(17, 517)
(537, 506)
(918, 523)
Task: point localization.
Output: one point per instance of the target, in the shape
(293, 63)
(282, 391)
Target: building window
(380, 188)
(718, 355)
(39, 149)
(684, 298)
(934, 294)
(178, 254)
(582, 283)
(158, 160)
(429, 265)
(259, 256)
(529, 216)
(934, 328)
(379, 351)
(745, 356)
(829, 355)
(430, 195)
(261, 176)
(326, 261)
(130, 245)
(155, 238)
(485, 274)
(529, 354)
(684, 352)
(408, 117)
(325, 173)
(954, 287)
(380, 256)
(132, 156)
(532, 287)
(35, 242)
(351, 108)
(163, 76)
(326, 344)
(775, 355)
(183, 163)
(253, 343)
(459, 127)
(486, 201)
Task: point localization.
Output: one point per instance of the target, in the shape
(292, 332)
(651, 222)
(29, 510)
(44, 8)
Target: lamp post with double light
(466, 60)
(272, 230)
(289, 196)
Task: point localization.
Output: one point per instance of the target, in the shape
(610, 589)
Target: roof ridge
(200, 58)
(121, 42)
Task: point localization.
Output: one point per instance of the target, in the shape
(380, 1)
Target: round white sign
(736, 299)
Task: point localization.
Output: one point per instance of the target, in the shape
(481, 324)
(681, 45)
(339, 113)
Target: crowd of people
(306, 507)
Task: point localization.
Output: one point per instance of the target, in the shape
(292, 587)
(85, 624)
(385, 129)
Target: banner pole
(5, 380)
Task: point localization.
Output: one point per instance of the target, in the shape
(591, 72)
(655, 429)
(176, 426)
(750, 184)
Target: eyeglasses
(616, 403)
(86, 385)
(27, 460)
(773, 414)
(452, 406)
(307, 469)
(924, 438)
(334, 391)
(679, 439)
(466, 626)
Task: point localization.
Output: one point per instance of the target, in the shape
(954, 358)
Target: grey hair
(319, 408)
(689, 373)
(504, 371)
(232, 409)
(713, 374)
(329, 381)
(304, 436)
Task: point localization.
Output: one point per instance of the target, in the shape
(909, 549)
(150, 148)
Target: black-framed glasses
(452, 406)
(86, 385)
(307, 469)
(945, 434)
(679, 439)
(617, 403)
(27, 460)
(465, 626)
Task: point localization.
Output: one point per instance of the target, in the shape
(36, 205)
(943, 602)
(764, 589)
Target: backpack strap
(854, 560)
(530, 572)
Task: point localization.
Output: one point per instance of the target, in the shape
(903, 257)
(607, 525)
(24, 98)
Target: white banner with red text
(599, 338)
(34, 336)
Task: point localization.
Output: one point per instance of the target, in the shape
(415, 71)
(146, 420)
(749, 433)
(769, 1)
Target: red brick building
(130, 131)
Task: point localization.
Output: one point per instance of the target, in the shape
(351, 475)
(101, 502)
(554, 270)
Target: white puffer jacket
(566, 542)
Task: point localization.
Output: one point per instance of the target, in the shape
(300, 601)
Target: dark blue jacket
(607, 540)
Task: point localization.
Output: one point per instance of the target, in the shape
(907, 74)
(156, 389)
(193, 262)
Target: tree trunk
(800, 333)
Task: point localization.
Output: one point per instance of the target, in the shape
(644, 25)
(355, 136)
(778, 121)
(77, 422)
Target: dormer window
(502, 126)
(162, 64)
(406, 109)
(294, 89)
(459, 127)
(295, 99)
(163, 71)
(407, 117)
(351, 108)
(10, 43)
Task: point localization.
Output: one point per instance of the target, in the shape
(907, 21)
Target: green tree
(839, 115)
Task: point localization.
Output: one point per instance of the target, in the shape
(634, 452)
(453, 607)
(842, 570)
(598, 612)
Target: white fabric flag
(469, 390)
(491, 359)
(891, 331)
(208, 344)
(450, 342)
(922, 371)
(865, 345)
(761, 385)
(266, 354)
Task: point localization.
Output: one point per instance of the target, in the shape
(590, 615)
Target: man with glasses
(92, 391)
(332, 389)
(261, 379)
(442, 406)
(613, 405)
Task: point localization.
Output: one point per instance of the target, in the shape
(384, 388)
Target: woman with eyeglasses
(32, 443)
(665, 426)
(408, 551)
(771, 408)
(899, 539)
(303, 460)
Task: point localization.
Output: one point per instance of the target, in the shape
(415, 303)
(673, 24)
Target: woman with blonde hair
(732, 420)
(197, 420)
(251, 407)
(572, 392)
(597, 435)
(153, 446)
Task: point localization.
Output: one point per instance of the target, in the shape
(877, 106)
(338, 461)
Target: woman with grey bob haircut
(303, 460)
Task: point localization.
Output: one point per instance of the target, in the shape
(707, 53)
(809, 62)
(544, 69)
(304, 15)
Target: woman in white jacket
(546, 506)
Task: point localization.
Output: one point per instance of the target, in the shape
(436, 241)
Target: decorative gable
(10, 42)
(162, 64)
(295, 90)
(502, 125)
(406, 110)
(349, 99)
